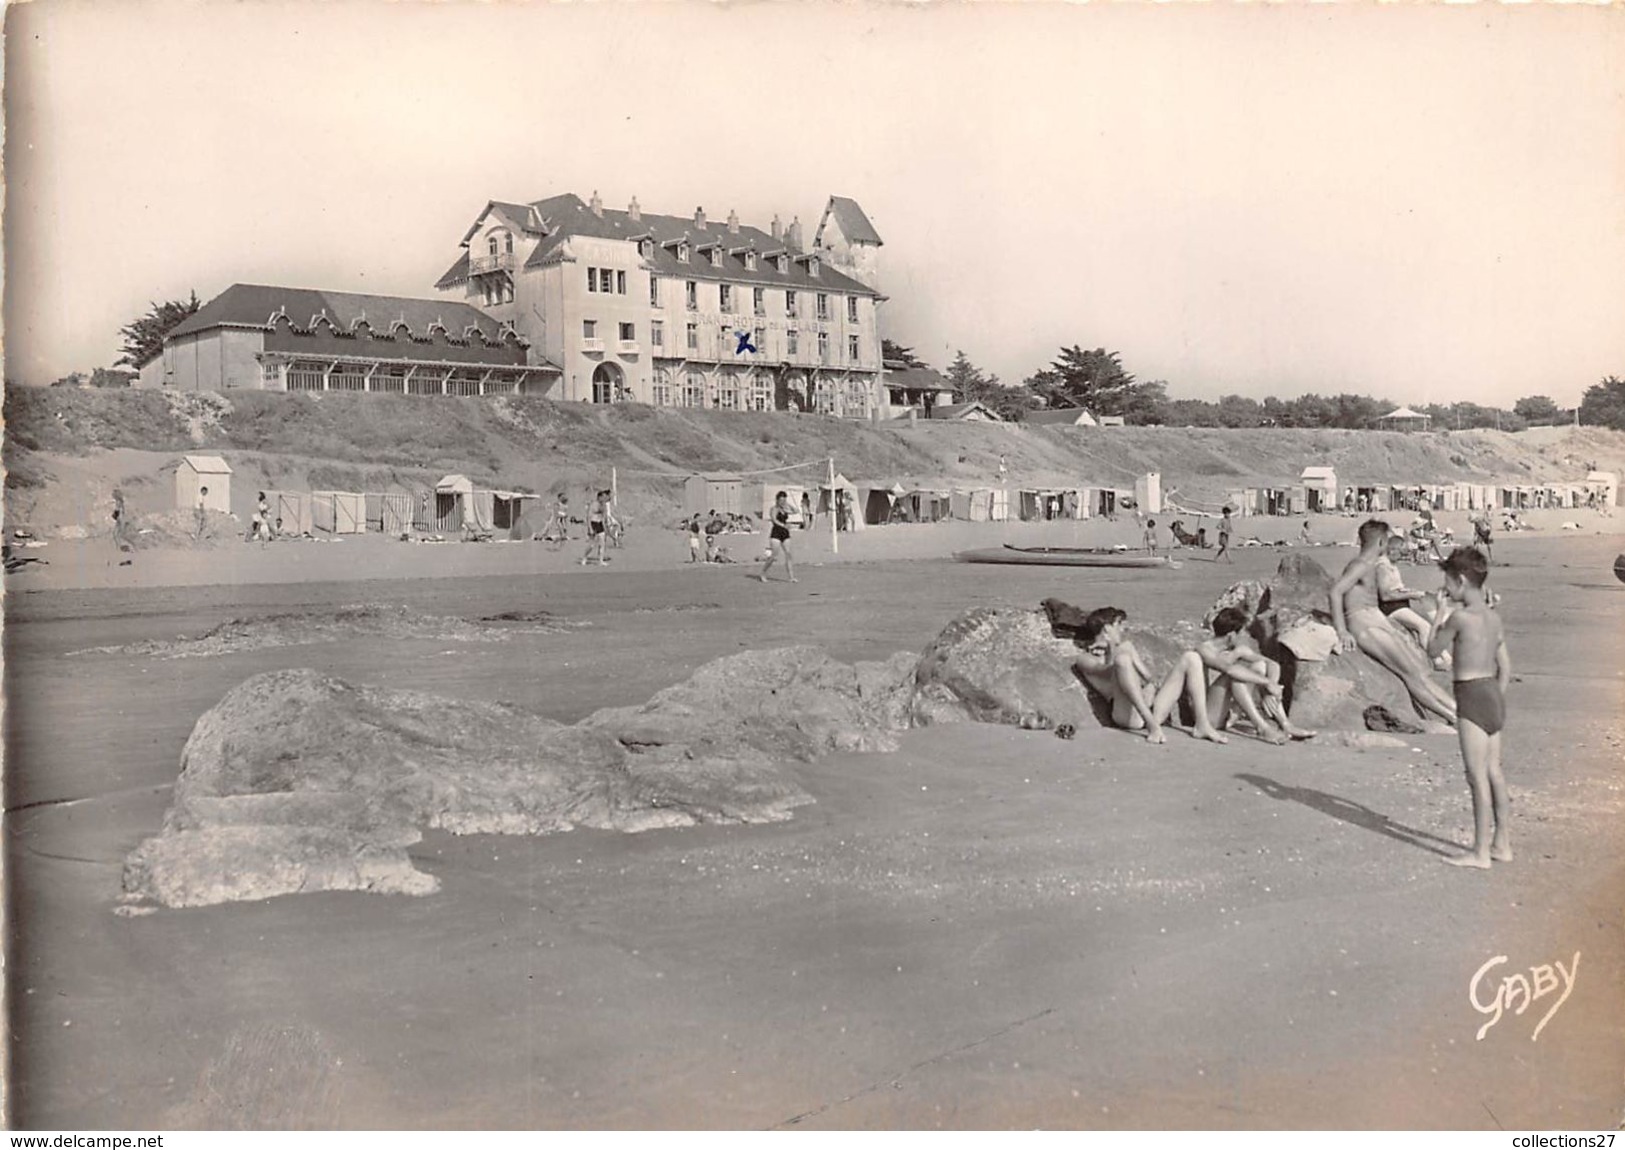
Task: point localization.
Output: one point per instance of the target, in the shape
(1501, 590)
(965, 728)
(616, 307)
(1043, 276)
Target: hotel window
(758, 339)
(589, 329)
(852, 349)
(694, 390)
(782, 263)
(682, 252)
(758, 299)
(761, 391)
(725, 293)
(629, 334)
(592, 279)
(654, 291)
(507, 243)
(491, 245)
(791, 342)
(750, 260)
(657, 333)
(646, 249)
(790, 304)
(852, 309)
(620, 286)
(691, 293)
(728, 392)
(823, 347)
(693, 337)
(606, 280)
(662, 387)
(823, 306)
(716, 257)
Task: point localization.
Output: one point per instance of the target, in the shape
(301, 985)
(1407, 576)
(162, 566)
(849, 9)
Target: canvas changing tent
(450, 506)
(1320, 489)
(389, 511)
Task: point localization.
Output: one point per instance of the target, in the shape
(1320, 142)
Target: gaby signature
(1516, 991)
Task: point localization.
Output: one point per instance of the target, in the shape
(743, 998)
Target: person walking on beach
(1224, 538)
(806, 511)
(598, 524)
(1472, 632)
(202, 512)
(120, 521)
(695, 538)
(778, 540)
(1150, 538)
(558, 527)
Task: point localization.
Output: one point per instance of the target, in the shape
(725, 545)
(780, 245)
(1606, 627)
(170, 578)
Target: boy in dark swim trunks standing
(1473, 633)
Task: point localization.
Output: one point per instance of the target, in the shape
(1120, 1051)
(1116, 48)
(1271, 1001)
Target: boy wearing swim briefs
(1473, 633)
(1360, 623)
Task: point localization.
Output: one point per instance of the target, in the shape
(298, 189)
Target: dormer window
(682, 253)
(716, 257)
(812, 266)
(783, 264)
(646, 249)
(750, 261)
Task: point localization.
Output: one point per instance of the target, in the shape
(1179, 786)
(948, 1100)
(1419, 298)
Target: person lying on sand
(1111, 665)
(1240, 673)
(1360, 623)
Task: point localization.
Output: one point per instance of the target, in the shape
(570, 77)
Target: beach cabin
(1148, 492)
(338, 512)
(875, 504)
(1371, 497)
(509, 514)
(998, 505)
(450, 506)
(389, 511)
(930, 505)
(290, 512)
(1319, 489)
(204, 478)
(721, 492)
(1606, 485)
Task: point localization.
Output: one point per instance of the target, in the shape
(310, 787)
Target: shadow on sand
(1352, 812)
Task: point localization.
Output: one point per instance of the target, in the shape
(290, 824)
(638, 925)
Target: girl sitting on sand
(1111, 665)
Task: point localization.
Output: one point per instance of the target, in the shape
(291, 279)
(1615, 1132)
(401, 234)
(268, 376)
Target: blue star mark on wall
(744, 344)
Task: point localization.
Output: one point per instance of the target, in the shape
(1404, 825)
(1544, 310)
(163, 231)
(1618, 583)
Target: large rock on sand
(1001, 665)
(1330, 693)
(297, 781)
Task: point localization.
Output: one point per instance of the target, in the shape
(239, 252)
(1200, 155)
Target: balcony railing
(479, 265)
(592, 344)
(627, 347)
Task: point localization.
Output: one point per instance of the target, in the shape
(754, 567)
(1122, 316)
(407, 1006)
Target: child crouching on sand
(1111, 665)
(1472, 632)
(1243, 675)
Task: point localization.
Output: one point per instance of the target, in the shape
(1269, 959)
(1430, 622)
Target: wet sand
(988, 928)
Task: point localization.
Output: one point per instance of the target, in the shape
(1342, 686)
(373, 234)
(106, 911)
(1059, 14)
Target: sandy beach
(988, 928)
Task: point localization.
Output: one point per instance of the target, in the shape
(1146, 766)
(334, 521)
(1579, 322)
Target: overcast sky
(1426, 203)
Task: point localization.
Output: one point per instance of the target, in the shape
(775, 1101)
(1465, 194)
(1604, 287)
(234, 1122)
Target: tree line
(1095, 379)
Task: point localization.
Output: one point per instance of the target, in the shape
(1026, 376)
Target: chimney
(596, 204)
(733, 222)
(633, 211)
(792, 237)
(699, 218)
(777, 229)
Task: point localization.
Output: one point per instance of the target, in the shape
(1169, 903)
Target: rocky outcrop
(994, 665)
(297, 781)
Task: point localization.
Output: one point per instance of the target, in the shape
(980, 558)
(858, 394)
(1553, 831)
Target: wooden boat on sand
(1064, 557)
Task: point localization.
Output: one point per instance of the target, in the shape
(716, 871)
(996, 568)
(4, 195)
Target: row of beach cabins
(456, 506)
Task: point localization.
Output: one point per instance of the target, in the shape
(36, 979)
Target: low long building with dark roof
(299, 339)
(683, 310)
